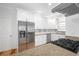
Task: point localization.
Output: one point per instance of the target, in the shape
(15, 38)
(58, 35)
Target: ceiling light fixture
(49, 4)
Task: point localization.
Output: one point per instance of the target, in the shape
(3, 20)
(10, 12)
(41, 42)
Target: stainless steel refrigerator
(26, 35)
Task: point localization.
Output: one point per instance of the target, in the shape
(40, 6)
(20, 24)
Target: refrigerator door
(22, 36)
(30, 31)
(30, 27)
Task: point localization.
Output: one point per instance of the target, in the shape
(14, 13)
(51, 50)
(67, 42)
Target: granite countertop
(45, 33)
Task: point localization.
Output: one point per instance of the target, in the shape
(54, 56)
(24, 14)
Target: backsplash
(45, 30)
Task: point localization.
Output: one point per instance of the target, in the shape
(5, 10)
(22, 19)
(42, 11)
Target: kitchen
(32, 25)
(45, 28)
(21, 20)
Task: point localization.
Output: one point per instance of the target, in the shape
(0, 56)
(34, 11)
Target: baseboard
(10, 52)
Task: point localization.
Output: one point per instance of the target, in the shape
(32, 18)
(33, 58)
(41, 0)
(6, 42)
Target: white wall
(40, 21)
(72, 25)
(24, 15)
(52, 24)
(8, 28)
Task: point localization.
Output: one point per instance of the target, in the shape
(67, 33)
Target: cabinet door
(40, 39)
(48, 38)
(56, 36)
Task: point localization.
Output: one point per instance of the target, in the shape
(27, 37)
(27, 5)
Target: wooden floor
(47, 50)
(10, 52)
(22, 47)
(26, 46)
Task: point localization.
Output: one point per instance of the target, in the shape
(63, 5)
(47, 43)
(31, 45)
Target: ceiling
(42, 8)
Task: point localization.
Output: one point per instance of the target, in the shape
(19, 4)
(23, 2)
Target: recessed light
(49, 4)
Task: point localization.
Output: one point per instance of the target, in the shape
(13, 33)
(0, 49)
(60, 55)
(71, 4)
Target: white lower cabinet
(56, 36)
(40, 39)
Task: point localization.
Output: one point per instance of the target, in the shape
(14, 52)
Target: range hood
(67, 8)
